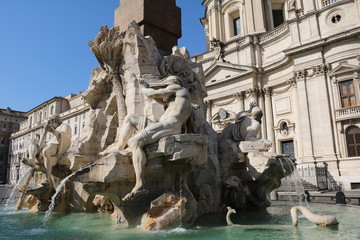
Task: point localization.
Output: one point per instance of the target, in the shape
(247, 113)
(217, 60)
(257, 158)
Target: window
(287, 147)
(2, 140)
(237, 26)
(4, 126)
(353, 141)
(347, 93)
(278, 17)
(75, 130)
(52, 110)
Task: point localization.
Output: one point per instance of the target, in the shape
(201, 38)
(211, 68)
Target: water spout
(58, 189)
(23, 180)
(53, 198)
(292, 180)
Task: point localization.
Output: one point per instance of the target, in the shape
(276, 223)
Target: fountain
(147, 156)
(19, 186)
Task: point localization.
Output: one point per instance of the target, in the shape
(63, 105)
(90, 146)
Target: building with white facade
(299, 61)
(72, 111)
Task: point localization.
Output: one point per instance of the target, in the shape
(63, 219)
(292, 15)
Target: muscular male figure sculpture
(176, 99)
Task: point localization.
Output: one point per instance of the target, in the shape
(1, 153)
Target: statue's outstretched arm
(252, 105)
(158, 93)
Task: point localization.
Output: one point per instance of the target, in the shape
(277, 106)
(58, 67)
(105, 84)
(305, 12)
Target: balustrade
(347, 113)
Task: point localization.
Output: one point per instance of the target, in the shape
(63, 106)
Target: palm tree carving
(107, 48)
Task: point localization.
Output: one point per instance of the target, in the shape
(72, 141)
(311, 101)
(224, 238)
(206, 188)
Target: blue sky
(44, 51)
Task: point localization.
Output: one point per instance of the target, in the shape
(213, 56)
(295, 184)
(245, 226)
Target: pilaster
(304, 117)
(270, 135)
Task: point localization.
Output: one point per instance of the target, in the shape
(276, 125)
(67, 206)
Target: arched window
(353, 141)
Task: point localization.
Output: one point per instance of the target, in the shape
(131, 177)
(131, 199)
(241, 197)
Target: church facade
(299, 60)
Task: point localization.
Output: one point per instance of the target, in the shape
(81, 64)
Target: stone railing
(328, 2)
(274, 33)
(347, 113)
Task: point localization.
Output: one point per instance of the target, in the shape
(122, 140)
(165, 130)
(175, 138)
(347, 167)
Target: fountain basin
(274, 223)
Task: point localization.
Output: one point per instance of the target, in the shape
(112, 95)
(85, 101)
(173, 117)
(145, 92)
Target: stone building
(9, 123)
(72, 111)
(299, 61)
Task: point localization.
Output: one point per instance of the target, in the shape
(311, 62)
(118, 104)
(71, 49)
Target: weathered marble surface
(147, 153)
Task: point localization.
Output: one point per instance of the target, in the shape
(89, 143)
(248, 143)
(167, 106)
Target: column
(297, 129)
(327, 136)
(357, 86)
(270, 135)
(209, 111)
(261, 104)
(334, 99)
(252, 93)
(304, 117)
(240, 96)
(249, 17)
(309, 6)
(259, 17)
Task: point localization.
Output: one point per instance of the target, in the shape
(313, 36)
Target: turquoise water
(275, 223)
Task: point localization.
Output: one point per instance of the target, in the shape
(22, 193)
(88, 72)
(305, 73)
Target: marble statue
(176, 99)
(57, 145)
(228, 214)
(247, 124)
(320, 220)
(220, 49)
(44, 155)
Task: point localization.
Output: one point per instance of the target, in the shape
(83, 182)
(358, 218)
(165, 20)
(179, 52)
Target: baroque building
(72, 111)
(299, 60)
(9, 123)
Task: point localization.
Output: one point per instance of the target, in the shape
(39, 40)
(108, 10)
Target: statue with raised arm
(176, 100)
(44, 155)
(57, 145)
(246, 126)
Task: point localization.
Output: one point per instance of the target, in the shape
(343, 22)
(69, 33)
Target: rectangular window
(237, 26)
(355, 186)
(2, 140)
(4, 126)
(287, 147)
(278, 17)
(347, 93)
